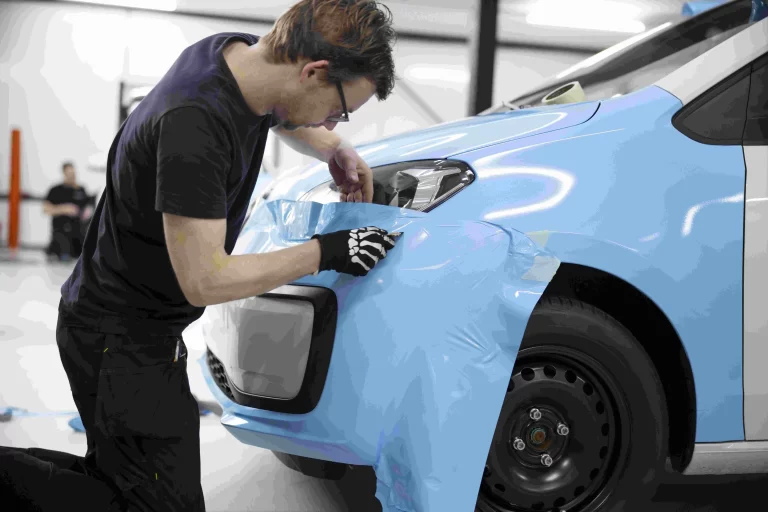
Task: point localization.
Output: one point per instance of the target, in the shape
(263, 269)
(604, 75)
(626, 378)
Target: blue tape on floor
(77, 424)
(15, 411)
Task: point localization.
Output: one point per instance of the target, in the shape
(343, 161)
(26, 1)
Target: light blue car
(578, 298)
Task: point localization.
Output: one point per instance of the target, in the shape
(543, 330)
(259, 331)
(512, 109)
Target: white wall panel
(62, 67)
(438, 73)
(5, 137)
(5, 143)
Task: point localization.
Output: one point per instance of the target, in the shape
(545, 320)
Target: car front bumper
(419, 362)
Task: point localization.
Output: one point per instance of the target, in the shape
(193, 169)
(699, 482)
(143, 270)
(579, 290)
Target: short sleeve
(53, 196)
(193, 161)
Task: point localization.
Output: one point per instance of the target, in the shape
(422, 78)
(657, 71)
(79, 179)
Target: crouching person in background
(70, 208)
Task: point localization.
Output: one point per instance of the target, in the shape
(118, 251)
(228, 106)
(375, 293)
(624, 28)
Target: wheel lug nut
(535, 414)
(519, 445)
(546, 460)
(563, 429)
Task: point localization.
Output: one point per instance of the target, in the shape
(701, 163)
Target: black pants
(142, 426)
(66, 239)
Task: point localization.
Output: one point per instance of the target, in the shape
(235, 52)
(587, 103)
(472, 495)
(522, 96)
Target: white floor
(236, 477)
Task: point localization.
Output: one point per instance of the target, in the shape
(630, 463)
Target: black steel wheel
(583, 424)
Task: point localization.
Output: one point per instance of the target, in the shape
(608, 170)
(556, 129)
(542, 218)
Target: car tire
(579, 368)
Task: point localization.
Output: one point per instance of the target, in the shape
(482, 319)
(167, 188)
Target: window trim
(680, 118)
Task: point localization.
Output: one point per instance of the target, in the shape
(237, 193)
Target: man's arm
(208, 275)
(193, 161)
(314, 142)
(55, 210)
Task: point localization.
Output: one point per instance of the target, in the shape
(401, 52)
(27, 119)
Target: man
(180, 175)
(69, 206)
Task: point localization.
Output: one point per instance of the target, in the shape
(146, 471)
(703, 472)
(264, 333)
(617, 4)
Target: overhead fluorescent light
(156, 5)
(586, 15)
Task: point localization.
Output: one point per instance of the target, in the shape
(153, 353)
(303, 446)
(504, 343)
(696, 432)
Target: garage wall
(61, 67)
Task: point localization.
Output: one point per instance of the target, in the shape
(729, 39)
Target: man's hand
(87, 212)
(351, 174)
(70, 209)
(356, 251)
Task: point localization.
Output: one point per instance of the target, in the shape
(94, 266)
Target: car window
(644, 59)
(733, 112)
(719, 115)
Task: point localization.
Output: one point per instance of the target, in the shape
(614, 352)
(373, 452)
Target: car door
(725, 102)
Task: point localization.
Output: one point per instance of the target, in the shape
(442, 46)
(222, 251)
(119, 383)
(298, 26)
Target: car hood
(448, 139)
(444, 141)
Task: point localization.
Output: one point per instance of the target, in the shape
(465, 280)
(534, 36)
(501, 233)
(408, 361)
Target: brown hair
(354, 36)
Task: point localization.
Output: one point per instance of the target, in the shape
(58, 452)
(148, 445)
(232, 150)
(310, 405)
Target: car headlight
(419, 186)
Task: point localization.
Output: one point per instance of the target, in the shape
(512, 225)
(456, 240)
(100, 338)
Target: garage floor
(235, 477)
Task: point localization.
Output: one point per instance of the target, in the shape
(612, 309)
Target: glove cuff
(323, 263)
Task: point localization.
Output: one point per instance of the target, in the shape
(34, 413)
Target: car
(575, 305)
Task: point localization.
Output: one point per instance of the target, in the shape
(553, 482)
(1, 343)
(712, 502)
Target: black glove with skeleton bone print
(354, 251)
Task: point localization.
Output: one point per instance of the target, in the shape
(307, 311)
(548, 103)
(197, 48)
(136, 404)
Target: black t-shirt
(193, 148)
(63, 194)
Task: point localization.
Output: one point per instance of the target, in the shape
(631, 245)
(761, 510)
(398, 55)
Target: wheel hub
(557, 435)
(540, 436)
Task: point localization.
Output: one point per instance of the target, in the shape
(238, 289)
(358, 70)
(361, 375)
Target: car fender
(629, 194)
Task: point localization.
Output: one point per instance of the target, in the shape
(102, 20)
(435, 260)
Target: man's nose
(329, 125)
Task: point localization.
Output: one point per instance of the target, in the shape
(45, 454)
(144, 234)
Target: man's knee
(29, 482)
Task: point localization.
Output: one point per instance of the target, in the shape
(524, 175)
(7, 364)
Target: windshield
(644, 59)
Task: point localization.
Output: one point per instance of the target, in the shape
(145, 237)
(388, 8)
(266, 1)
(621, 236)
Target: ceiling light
(586, 15)
(157, 5)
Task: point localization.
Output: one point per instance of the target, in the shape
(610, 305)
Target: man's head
(340, 55)
(69, 173)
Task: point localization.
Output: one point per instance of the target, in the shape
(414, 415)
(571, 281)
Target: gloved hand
(354, 251)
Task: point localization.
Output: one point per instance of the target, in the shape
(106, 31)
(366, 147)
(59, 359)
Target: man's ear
(314, 69)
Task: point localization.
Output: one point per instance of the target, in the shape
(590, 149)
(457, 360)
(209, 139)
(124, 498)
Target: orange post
(14, 197)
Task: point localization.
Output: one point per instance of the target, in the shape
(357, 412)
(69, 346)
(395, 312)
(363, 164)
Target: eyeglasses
(343, 118)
